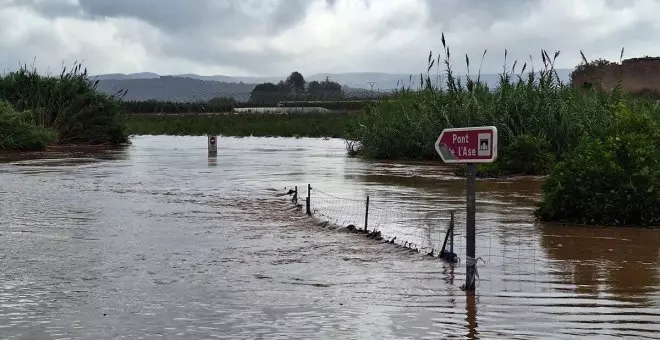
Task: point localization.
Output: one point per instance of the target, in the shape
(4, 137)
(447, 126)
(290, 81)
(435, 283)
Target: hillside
(169, 88)
(192, 87)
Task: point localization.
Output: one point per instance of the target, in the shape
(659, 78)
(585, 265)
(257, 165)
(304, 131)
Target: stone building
(637, 75)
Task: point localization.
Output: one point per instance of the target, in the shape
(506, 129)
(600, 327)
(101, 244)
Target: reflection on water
(159, 240)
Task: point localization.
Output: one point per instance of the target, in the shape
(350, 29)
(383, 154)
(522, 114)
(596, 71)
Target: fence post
(366, 215)
(470, 257)
(451, 236)
(295, 195)
(308, 203)
(449, 255)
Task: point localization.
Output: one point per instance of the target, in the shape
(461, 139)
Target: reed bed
(599, 148)
(534, 104)
(70, 106)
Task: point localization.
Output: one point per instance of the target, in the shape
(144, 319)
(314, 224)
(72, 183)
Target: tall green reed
(69, 103)
(524, 102)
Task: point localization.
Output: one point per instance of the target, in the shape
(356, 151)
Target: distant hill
(193, 87)
(170, 88)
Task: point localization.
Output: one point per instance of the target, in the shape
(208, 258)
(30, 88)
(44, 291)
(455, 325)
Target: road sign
(468, 145)
(213, 147)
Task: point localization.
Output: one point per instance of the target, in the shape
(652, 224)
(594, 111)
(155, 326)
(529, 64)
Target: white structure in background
(280, 110)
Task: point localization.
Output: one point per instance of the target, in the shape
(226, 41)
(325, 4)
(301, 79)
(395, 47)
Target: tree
(265, 94)
(314, 90)
(325, 90)
(296, 82)
(222, 103)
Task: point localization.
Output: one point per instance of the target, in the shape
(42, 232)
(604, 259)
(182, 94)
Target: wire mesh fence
(508, 254)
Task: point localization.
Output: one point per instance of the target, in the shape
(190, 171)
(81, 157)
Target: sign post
(470, 145)
(213, 146)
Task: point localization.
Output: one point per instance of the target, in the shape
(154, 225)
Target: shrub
(70, 104)
(17, 133)
(612, 180)
(530, 103)
(525, 155)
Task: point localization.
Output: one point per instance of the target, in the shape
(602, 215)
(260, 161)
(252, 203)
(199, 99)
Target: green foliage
(532, 103)
(215, 105)
(611, 180)
(296, 82)
(525, 155)
(283, 125)
(68, 104)
(295, 88)
(225, 105)
(18, 133)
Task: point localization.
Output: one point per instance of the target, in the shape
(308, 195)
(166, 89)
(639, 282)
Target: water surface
(159, 241)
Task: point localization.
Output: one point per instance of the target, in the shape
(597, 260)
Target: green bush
(609, 181)
(523, 103)
(258, 124)
(525, 155)
(70, 104)
(17, 133)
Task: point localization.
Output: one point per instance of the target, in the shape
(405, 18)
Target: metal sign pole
(470, 233)
(469, 145)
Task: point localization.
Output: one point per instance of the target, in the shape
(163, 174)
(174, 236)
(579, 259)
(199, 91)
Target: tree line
(294, 91)
(296, 88)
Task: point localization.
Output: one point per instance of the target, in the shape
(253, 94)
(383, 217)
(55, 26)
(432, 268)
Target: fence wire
(509, 258)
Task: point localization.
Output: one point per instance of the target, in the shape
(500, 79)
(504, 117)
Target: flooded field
(159, 241)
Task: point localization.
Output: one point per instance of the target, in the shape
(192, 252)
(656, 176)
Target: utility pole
(372, 83)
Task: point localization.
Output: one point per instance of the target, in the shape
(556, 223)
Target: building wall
(636, 76)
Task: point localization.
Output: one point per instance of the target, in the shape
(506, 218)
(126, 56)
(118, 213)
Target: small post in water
(366, 215)
(451, 233)
(307, 201)
(212, 146)
(470, 261)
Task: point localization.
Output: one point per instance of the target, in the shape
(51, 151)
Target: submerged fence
(431, 232)
(507, 253)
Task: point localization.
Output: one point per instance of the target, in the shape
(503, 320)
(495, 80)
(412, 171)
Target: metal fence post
(308, 203)
(366, 215)
(451, 236)
(470, 257)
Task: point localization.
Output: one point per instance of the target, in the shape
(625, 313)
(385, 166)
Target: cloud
(275, 37)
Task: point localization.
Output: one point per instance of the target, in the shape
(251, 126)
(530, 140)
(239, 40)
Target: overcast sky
(275, 37)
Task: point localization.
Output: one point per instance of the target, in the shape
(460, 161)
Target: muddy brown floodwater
(159, 241)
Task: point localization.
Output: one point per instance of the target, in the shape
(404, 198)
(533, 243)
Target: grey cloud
(191, 49)
(47, 8)
(230, 18)
(196, 31)
(458, 14)
(190, 26)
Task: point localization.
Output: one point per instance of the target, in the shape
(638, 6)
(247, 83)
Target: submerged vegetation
(38, 110)
(599, 147)
(284, 125)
